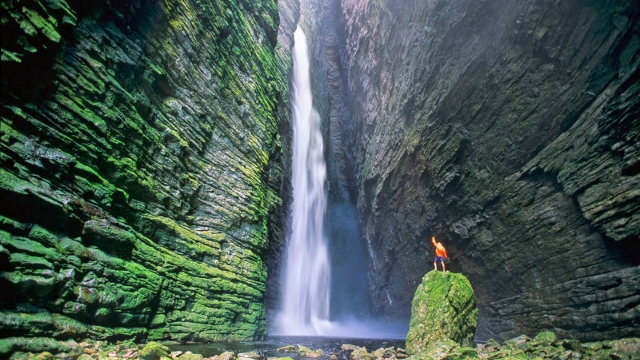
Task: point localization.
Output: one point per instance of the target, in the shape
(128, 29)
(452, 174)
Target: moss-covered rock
(190, 356)
(305, 352)
(546, 346)
(360, 353)
(227, 355)
(153, 351)
(45, 355)
(443, 311)
(286, 348)
(546, 338)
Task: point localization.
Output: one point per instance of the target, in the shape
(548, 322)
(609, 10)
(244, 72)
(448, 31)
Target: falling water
(307, 283)
(307, 274)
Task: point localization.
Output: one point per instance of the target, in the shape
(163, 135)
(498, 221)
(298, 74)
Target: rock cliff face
(509, 130)
(141, 161)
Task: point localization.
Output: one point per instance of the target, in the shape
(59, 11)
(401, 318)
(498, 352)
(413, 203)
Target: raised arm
(433, 240)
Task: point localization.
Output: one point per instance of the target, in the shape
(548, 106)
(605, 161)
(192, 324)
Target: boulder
(227, 355)
(45, 355)
(190, 356)
(520, 342)
(250, 355)
(446, 349)
(349, 347)
(304, 351)
(378, 353)
(360, 353)
(443, 310)
(286, 348)
(153, 351)
(546, 338)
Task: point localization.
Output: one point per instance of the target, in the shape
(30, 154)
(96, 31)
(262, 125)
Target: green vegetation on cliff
(140, 164)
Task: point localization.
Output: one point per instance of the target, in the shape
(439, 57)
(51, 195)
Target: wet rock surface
(141, 162)
(508, 130)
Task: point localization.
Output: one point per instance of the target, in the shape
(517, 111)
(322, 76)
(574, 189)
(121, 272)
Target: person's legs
(435, 266)
(443, 268)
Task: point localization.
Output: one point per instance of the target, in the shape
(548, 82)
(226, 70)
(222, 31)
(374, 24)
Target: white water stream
(307, 274)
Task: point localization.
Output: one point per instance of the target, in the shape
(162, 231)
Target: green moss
(44, 237)
(202, 242)
(47, 26)
(36, 345)
(546, 338)
(12, 226)
(32, 262)
(191, 357)
(443, 308)
(10, 56)
(28, 246)
(153, 351)
(45, 355)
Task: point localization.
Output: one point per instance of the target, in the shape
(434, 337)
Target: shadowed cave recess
(146, 150)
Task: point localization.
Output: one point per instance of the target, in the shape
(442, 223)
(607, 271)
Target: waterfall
(307, 272)
(306, 291)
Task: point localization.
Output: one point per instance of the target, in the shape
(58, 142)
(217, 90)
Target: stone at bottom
(443, 312)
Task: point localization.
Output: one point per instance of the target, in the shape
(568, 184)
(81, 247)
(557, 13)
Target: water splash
(307, 274)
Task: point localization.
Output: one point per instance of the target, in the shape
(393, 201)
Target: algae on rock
(443, 312)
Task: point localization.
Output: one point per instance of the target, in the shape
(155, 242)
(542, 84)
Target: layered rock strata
(509, 130)
(141, 161)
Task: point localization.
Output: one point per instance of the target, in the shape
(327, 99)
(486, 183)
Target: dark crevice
(626, 250)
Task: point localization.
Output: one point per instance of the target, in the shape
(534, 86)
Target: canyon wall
(142, 155)
(508, 130)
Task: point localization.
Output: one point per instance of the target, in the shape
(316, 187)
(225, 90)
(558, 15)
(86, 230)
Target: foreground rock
(304, 351)
(443, 311)
(361, 353)
(546, 345)
(154, 351)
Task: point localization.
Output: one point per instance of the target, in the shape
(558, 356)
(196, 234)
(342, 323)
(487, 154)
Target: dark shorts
(438, 258)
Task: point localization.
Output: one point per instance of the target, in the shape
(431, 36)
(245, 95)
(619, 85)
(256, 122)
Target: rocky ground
(443, 323)
(545, 345)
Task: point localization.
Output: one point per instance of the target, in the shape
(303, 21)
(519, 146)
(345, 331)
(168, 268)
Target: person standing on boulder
(441, 254)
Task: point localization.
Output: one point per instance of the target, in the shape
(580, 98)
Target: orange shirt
(440, 250)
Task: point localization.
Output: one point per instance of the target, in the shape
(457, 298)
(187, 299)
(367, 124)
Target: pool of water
(267, 348)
